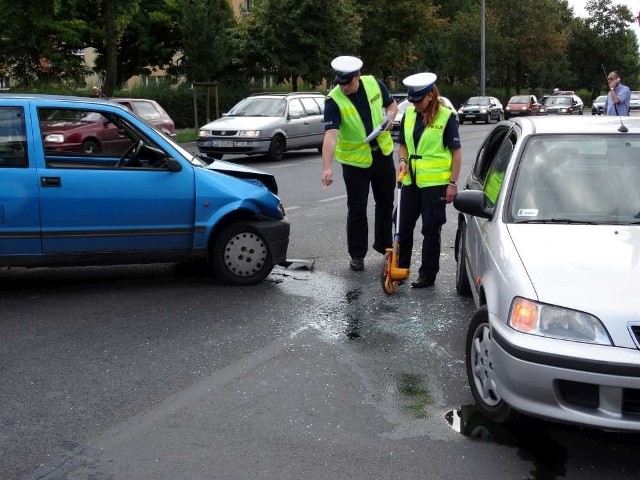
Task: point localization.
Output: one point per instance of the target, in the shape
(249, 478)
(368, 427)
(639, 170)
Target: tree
(207, 46)
(527, 37)
(38, 43)
(390, 37)
(294, 39)
(602, 42)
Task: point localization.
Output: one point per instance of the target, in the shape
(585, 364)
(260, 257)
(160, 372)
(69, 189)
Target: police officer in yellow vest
(353, 109)
(430, 153)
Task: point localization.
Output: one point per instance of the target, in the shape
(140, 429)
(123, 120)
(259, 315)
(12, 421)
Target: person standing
(430, 155)
(353, 109)
(618, 98)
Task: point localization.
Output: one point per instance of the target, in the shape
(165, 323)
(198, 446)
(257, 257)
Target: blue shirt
(450, 135)
(332, 117)
(622, 108)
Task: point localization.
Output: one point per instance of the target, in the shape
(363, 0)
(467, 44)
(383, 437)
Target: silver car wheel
(240, 255)
(245, 254)
(482, 366)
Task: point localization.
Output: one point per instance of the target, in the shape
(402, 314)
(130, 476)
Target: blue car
(145, 199)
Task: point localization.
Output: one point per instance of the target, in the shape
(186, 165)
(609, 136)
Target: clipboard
(380, 128)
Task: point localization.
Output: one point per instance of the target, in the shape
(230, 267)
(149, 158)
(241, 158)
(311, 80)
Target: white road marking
(331, 199)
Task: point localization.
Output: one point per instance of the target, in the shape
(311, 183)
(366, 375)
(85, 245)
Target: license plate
(222, 143)
(471, 116)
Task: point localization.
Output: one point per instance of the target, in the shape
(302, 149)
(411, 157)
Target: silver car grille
(224, 133)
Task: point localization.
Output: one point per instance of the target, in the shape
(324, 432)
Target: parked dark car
(151, 112)
(521, 105)
(483, 109)
(564, 105)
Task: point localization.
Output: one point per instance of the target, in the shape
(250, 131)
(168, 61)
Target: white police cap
(346, 68)
(418, 85)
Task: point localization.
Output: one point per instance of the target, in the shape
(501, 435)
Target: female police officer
(430, 155)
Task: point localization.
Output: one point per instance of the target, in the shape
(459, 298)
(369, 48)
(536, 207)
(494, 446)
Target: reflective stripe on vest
(350, 146)
(434, 165)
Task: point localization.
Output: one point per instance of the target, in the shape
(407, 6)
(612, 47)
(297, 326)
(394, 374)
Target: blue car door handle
(50, 182)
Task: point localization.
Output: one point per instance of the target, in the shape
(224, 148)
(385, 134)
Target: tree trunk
(111, 48)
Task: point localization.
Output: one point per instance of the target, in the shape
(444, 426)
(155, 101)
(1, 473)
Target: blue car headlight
(537, 318)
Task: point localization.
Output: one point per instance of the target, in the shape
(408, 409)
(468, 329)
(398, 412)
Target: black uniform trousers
(430, 203)
(381, 175)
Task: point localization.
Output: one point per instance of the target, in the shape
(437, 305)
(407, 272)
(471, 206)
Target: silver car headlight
(204, 133)
(249, 133)
(483, 110)
(536, 318)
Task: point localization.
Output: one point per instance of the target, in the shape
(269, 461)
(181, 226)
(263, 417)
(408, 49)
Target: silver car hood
(589, 267)
(241, 123)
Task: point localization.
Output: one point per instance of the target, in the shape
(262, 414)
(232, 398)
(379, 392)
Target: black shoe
(423, 282)
(380, 249)
(357, 264)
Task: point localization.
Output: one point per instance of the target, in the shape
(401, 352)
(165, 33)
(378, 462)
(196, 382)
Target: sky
(634, 6)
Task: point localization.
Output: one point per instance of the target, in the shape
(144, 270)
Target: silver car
(266, 123)
(548, 245)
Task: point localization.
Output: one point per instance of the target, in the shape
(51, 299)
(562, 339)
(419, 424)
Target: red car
(151, 112)
(77, 131)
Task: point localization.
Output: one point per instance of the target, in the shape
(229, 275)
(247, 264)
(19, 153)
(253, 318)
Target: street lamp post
(482, 49)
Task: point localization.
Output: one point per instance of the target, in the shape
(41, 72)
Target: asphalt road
(157, 372)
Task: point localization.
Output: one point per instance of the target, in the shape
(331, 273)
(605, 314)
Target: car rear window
(146, 110)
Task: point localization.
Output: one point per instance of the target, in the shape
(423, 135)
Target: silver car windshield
(259, 107)
(578, 179)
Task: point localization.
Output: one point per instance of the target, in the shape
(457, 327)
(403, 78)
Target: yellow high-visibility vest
(350, 146)
(434, 165)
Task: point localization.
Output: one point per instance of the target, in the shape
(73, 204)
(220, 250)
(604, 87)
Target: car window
(13, 142)
(311, 107)
(96, 140)
(487, 153)
(259, 107)
(295, 108)
(495, 174)
(604, 172)
(147, 110)
(320, 102)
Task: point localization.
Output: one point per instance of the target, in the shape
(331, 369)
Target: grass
(186, 135)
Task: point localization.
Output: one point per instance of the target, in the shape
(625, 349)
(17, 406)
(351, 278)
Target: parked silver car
(598, 105)
(548, 245)
(266, 123)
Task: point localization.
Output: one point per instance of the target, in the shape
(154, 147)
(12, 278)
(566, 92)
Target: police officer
(353, 109)
(430, 154)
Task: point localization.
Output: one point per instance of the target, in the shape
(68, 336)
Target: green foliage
(294, 39)
(531, 45)
(206, 40)
(390, 37)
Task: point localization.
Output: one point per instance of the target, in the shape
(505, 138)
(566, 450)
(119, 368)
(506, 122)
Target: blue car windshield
(578, 179)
